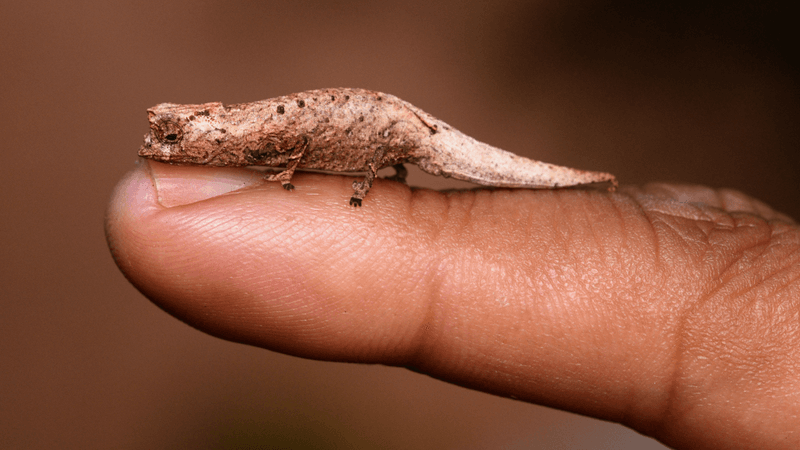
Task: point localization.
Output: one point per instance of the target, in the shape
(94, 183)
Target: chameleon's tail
(462, 157)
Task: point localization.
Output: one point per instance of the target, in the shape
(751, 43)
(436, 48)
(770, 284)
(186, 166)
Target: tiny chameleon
(341, 130)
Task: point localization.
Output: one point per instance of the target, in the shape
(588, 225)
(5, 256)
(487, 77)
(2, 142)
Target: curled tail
(459, 156)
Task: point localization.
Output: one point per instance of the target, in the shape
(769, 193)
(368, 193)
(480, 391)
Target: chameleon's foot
(361, 188)
(283, 177)
(614, 185)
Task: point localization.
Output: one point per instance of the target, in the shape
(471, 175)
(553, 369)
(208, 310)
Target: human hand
(677, 319)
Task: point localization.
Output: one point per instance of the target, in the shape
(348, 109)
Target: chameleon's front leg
(294, 159)
(400, 173)
(362, 187)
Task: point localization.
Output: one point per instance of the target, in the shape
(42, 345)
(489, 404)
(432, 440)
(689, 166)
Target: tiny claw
(355, 201)
(288, 186)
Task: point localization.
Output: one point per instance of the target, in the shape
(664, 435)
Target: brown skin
(677, 319)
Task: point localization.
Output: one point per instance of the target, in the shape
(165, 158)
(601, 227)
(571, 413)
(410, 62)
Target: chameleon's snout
(148, 150)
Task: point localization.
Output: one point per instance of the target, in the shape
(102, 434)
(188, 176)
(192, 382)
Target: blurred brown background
(702, 93)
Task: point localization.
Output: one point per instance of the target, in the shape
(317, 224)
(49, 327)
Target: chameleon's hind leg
(362, 187)
(285, 176)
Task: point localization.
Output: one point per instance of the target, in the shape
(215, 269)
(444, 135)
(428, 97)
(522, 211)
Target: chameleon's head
(182, 134)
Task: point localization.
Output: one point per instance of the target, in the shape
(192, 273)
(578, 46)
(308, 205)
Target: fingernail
(181, 185)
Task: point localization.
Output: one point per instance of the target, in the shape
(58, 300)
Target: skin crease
(670, 309)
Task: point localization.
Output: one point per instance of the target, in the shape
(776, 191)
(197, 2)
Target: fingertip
(134, 195)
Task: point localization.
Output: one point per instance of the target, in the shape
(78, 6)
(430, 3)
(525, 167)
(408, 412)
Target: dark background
(699, 93)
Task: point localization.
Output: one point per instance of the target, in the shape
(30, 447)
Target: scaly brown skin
(341, 130)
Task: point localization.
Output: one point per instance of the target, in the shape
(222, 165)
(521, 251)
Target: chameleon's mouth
(155, 152)
(160, 154)
(147, 151)
(161, 157)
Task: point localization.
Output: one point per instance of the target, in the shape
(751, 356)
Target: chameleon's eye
(167, 131)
